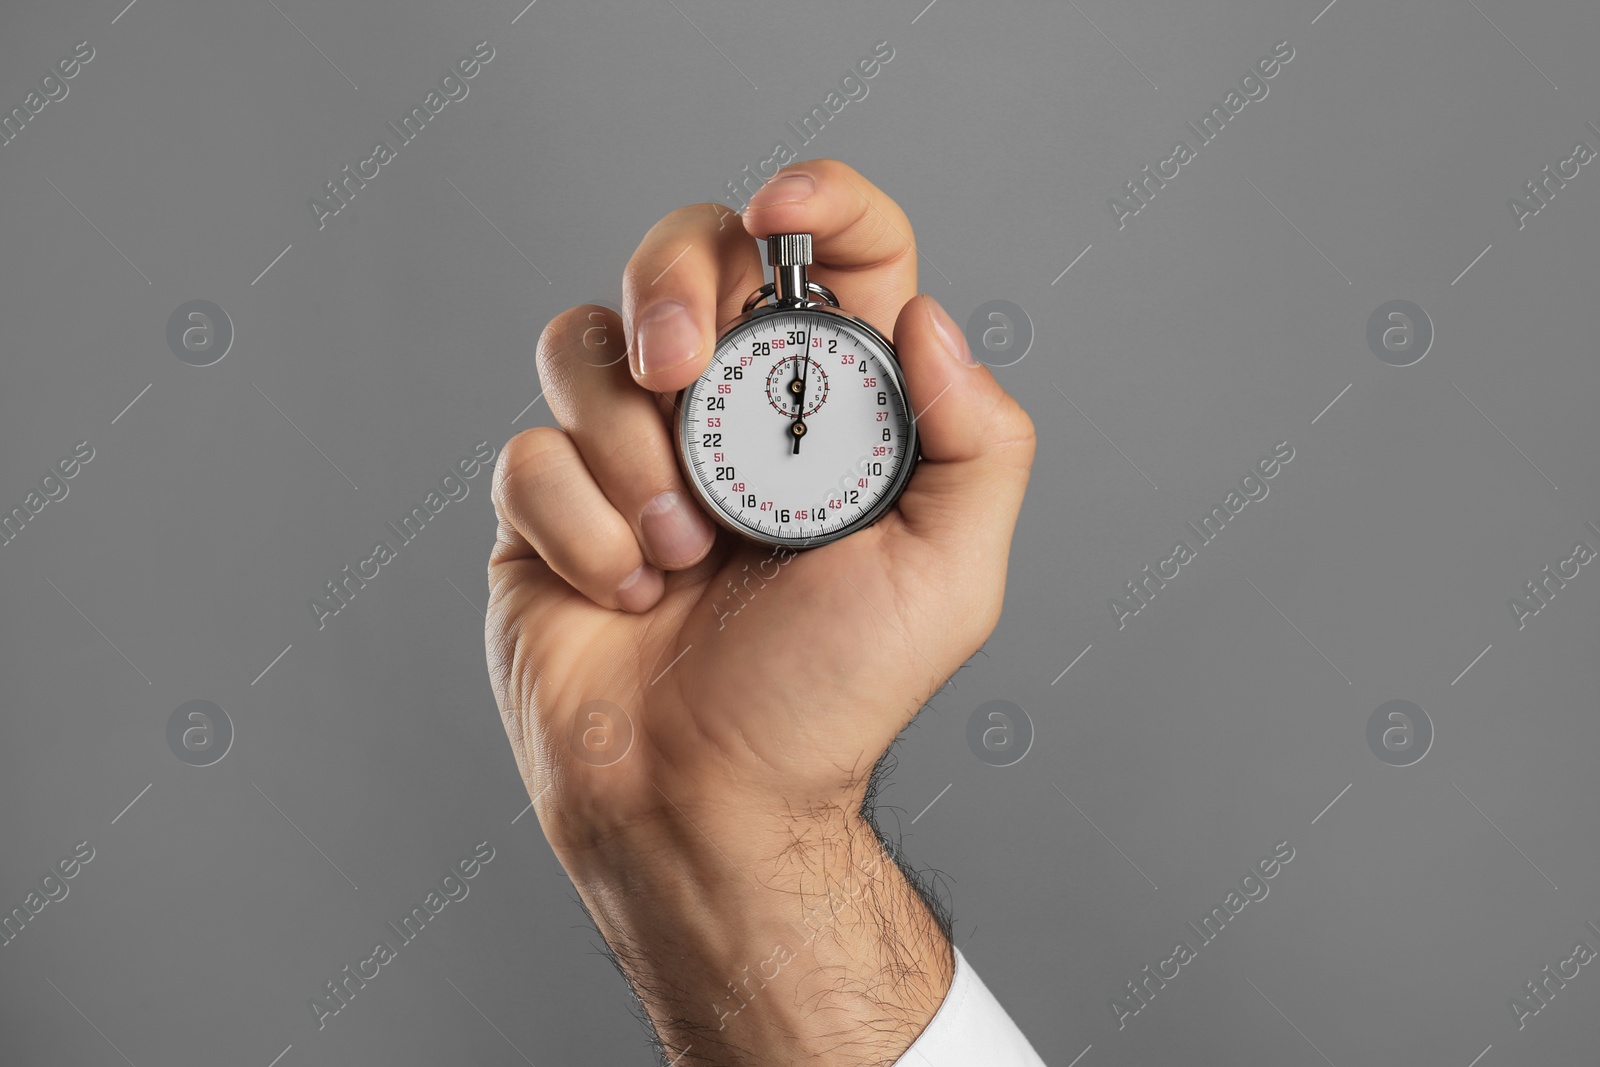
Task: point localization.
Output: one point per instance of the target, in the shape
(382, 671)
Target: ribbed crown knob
(789, 250)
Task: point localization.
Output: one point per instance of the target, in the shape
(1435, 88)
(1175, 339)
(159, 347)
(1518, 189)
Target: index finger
(693, 270)
(688, 277)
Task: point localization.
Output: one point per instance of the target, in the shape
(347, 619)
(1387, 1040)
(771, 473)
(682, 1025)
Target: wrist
(769, 940)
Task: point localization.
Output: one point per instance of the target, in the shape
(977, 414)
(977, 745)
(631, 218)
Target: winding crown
(789, 250)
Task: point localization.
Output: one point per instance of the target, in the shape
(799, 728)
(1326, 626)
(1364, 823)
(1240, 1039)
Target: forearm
(768, 942)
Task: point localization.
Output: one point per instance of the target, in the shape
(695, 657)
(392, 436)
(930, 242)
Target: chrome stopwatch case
(800, 431)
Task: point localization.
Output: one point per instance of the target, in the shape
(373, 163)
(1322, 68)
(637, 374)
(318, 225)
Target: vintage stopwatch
(800, 432)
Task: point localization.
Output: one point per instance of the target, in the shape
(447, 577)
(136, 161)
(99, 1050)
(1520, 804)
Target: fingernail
(954, 341)
(640, 590)
(789, 189)
(674, 530)
(667, 336)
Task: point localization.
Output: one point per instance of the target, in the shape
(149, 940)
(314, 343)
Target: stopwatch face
(799, 432)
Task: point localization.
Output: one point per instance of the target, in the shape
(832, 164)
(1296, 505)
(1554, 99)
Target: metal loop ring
(758, 296)
(822, 291)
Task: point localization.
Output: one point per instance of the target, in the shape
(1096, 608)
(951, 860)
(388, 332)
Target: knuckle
(1022, 430)
(723, 214)
(627, 458)
(645, 471)
(699, 215)
(590, 333)
(897, 238)
(597, 565)
(528, 457)
(570, 325)
(644, 264)
(1013, 433)
(537, 445)
(706, 225)
(883, 231)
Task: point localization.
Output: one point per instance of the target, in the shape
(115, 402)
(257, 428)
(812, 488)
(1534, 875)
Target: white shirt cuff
(969, 1028)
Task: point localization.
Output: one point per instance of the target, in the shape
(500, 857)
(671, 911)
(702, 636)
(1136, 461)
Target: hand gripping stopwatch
(800, 431)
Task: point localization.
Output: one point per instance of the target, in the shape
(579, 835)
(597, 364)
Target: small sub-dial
(784, 387)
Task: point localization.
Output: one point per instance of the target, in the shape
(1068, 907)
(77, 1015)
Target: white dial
(799, 432)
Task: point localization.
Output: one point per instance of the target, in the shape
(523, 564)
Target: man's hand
(697, 717)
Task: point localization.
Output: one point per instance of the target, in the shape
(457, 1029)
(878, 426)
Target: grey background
(1195, 339)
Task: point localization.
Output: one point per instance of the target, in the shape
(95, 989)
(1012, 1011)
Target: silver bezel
(891, 493)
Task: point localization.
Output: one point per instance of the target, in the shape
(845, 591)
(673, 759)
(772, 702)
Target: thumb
(977, 442)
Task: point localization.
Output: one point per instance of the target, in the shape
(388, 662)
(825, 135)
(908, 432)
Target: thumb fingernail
(949, 333)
